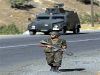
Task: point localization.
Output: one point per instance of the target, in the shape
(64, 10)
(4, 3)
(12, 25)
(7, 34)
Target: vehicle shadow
(68, 34)
(70, 70)
(72, 33)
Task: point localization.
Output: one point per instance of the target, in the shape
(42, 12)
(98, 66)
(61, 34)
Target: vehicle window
(50, 10)
(58, 17)
(43, 17)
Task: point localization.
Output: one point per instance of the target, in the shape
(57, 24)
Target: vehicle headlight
(33, 27)
(46, 25)
(56, 27)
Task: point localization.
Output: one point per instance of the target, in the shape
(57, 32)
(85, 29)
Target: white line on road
(17, 46)
(25, 45)
(85, 40)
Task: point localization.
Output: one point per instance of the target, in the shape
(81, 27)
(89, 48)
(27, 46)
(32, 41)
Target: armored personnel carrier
(55, 19)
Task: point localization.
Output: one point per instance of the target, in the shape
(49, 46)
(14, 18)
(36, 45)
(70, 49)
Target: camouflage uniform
(54, 58)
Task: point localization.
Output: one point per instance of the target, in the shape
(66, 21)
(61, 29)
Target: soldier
(54, 58)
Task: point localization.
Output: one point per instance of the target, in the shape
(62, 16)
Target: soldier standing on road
(54, 58)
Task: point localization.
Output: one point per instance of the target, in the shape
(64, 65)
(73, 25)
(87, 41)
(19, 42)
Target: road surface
(23, 56)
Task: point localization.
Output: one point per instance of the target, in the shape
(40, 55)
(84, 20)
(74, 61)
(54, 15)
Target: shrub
(97, 18)
(10, 29)
(96, 2)
(85, 1)
(87, 18)
(19, 3)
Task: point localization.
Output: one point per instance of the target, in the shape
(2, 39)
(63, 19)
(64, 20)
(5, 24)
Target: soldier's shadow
(69, 70)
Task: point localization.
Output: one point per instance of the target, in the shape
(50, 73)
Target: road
(21, 52)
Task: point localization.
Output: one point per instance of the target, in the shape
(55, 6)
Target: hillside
(19, 17)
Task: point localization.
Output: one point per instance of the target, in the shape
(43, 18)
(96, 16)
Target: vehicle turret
(57, 8)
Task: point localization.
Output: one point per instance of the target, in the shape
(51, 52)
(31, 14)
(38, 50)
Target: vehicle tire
(64, 30)
(32, 32)
(46, 33)
(76, 30)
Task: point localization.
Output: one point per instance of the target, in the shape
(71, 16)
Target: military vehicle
(55, 19)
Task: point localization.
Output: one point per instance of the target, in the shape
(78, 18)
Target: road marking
(84, 40)
(37, 44)
(18, 46)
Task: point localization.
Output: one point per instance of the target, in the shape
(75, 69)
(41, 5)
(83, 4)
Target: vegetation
(85, 1)
(20, 4)
(96, 2)
(97, 18)
(9, 29)
(87, 18)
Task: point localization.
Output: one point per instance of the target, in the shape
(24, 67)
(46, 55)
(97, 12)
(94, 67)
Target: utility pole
(92, 13)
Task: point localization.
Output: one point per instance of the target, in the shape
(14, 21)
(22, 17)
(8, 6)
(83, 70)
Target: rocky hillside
(19, 17)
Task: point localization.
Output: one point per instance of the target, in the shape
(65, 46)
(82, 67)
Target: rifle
(56, 48)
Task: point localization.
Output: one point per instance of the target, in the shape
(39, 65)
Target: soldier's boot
(52, 68)
(56, 69)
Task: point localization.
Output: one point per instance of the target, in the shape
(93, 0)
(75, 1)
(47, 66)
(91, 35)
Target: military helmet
(55, 33)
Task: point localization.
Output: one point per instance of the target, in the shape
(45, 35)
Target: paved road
(18, 52)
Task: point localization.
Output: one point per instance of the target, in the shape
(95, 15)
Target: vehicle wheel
(46, 33)
(64, 30)
(75, 31)
(78, 30)
(32, 32)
